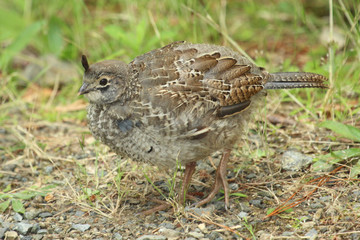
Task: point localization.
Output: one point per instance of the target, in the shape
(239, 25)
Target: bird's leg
(189, 171)
(220, 181)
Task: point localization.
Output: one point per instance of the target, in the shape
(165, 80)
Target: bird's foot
(220, 181)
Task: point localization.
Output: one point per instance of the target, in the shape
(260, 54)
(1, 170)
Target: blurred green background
(42, 41)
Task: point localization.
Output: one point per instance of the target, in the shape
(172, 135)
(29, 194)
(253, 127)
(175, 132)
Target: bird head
(104, 82)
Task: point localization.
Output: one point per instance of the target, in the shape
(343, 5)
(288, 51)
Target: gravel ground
(96, 195)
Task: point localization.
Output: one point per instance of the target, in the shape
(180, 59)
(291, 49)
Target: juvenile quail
(181, 102)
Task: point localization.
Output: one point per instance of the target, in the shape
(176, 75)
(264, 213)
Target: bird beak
(83, 89)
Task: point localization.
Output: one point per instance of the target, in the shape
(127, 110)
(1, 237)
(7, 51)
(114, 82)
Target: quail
(179, 104)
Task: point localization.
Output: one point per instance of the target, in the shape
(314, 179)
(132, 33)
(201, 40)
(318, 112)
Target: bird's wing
(198, 79)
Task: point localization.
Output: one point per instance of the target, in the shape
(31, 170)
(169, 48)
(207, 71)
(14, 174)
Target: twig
(321, 181)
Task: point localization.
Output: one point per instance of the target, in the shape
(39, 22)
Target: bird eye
(103, 82)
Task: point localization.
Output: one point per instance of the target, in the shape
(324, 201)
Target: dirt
(106, 194)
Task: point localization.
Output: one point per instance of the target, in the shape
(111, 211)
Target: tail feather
(284, 80)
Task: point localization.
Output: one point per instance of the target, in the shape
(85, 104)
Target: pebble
(294, 160)
(45, 214)
(42, 231)
(256, 203)
(31, 214)
(203, 228)
(355, 236)
(2, 232)
(151, 237)
(356, 193)
(26, 238)
(9, 167)
(250, 176)
(201, 212)
(117, 236)
(244, 207)
(81, 227)
(325, 198)
(18, 217)
(196, 234)
(312, 234)
(215, 235)
(170, 233)
(49, 169)
(150, 225)
(242, 214)
(11, 235)
(58, 230)
(79, 213)
(234, 186)
(167, 225)
(23, 227)
(37, 237)
(35, 228)
(316, 205)
(287, 234)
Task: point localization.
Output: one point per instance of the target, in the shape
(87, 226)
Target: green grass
(276, 34)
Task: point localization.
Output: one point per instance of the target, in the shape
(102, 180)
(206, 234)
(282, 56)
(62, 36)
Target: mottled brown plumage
(180, 103)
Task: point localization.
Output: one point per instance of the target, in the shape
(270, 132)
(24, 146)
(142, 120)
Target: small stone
(38, 237)
(325, 198)
(11, 235)
(117, 236)
(23, 228)
(38, 199)
(214, 235)
(151, 237)
(256, 203)
(250, 176)
(312, 234)
(45, 214)
(308, 225)
(264, 235)
(167, 225)
(203, 228)
(79, 213)
(294, 160)
(18, 217)
(42, 231)
(35, 228)
(9, 167)
(170, 233)
(190, 238)
(2, 232)
(356, 193)
(242, 214)
(316, 205)
(49, 169)
(244, 207)
(202, 212)
(196, 234)
(234, 186)
(58, 230)
(150, 225)
(31, 214)
(355, 236)
(26, 238)
(81, 227)
(287, 234)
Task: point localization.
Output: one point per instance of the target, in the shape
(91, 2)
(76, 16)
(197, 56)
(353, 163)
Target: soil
(94, 194)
